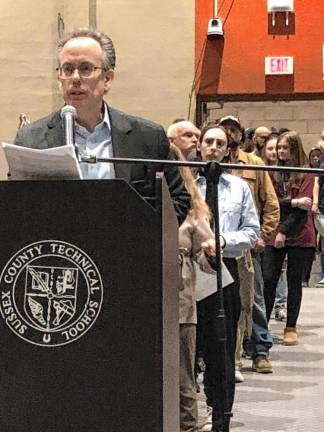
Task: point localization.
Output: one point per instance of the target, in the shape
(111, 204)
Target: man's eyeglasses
(85, 70)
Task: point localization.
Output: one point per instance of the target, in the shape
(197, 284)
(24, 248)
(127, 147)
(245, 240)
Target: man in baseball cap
(234, 131)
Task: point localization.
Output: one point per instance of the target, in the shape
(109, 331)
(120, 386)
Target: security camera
(215, 27)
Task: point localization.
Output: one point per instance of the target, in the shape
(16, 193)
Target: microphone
(68, 115)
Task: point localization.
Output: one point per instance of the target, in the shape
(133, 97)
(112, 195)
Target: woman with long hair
(196, 242)
(269, 156)
(295, 235)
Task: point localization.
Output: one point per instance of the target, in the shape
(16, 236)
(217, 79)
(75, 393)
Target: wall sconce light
(275, 6)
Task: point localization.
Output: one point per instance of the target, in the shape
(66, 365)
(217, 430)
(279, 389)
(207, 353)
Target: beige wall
(154, 42)
(26, 61)
(28, 32)
(305, 117)
(155, 51)
(155, 55)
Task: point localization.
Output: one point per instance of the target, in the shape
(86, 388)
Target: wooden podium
(89, 305)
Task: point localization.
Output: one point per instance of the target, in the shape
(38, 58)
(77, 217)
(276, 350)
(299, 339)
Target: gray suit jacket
(132, 137)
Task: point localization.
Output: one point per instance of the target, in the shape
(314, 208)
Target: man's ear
(109, 76)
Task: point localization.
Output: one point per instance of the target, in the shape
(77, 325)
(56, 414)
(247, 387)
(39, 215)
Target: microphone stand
(216, 312)
(215, 305)
(194, 164)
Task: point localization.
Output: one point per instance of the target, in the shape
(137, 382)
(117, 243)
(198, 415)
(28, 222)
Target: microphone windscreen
(68, 109)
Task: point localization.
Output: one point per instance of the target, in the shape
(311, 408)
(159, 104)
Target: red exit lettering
(279, 65)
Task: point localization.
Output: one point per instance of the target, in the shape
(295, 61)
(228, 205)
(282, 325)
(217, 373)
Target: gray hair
(104, 41)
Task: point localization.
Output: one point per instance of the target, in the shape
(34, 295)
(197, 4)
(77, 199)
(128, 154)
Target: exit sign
(279, 65)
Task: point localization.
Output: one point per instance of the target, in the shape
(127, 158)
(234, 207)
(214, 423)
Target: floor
(292, 397)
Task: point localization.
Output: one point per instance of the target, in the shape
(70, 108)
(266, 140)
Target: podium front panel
(81, 303)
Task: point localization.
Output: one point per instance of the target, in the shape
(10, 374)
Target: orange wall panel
(235, 64)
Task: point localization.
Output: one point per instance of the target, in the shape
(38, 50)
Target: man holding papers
(86, 62)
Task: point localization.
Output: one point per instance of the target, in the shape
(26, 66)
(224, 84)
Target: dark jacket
(132, 137)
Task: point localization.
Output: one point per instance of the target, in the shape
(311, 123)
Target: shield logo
(50, 296)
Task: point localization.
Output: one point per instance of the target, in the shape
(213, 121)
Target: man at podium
(86, 62)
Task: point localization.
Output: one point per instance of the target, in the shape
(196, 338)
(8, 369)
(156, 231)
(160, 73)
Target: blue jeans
(281, 291)
(261, 341)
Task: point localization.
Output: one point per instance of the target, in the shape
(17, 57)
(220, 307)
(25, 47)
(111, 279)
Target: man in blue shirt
(239, 230)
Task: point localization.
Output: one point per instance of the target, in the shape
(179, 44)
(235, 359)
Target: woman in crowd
(317, 161)
(314, 157)
(195, 243)
(295, 235)
(314, 162)
(268, 152)
(270, 157)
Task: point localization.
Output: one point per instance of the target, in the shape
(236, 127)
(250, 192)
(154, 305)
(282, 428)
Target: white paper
(206, 283)
(57, 163)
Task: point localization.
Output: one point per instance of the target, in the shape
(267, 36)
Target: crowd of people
(268, 239)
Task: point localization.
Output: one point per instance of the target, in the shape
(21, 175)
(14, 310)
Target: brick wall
(306, 117)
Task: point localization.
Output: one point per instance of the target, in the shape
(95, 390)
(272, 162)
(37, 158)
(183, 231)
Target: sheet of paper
(206, 282)
(57, 163)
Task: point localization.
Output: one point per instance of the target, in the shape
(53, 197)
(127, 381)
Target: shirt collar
(201, 180)
(225, 179)
(81, 130)
(106, 118)
(242, 157)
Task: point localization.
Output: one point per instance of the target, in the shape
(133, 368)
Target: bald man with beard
(260, 135)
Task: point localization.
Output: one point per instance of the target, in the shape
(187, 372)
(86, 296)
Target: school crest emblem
(51, 293)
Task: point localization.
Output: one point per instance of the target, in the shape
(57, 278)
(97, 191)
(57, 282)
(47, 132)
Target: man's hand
(259, 245)
(280, 240)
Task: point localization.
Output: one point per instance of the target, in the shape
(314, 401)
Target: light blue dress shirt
(97, 143)
(238, 218)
